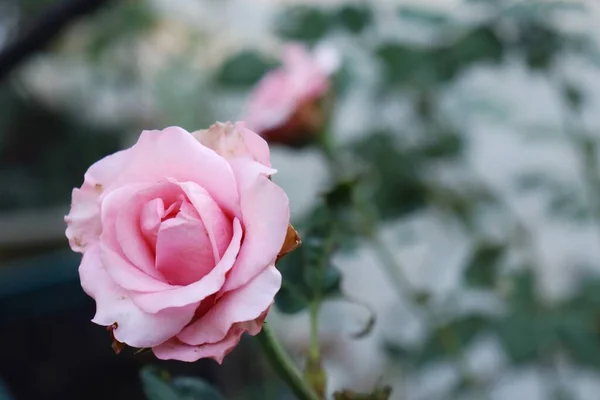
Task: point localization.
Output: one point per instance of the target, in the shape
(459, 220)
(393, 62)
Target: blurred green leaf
(395, 180)
(414, 66)
(354, 18)
(244, 69)
(307, 271)
(445, 145)
(303, 23)
(404, 64)
(427, 16)
(482, 267)
(481, 44)
(190, 388)
(157, 385)
(539, 43)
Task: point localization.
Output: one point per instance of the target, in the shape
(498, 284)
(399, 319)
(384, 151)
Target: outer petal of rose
(175, 153)
(244, 304)
(114, 305)
(256, 145)
(176, 350)
(197, 291)
(266, 215)
(83, 221)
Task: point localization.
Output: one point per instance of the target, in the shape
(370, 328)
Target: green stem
(314, 351)
(314, 374)
(283, 365)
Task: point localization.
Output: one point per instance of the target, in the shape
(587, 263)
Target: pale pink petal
(266, 215)
(132, 240)
(256, 145)
(83, 222)
(121, 209)
(217, 224)
(244, 304)
(151, 218)
(270, 104)
(176, 350)
(175, 153)
(184, 253)
(128, 276)
(197, 291)
(114, 306)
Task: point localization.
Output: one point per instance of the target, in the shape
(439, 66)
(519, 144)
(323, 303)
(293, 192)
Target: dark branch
(43, 31)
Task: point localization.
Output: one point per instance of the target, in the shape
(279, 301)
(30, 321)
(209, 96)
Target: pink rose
(285, 105)
(179, 235)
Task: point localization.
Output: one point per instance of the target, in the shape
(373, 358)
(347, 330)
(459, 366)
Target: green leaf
(157, 385)
(354, 18)
(481, 44)
(292, 297)
(395, 183)
(422, 15)
(445, 145)
(540, 44)
(244, 69)
(307, 271)
(417, 67)
(195, 389)
(405, 65)
(303, 23)
(482, 267)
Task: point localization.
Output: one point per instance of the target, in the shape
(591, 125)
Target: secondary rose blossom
(179, 235)
(285, 107)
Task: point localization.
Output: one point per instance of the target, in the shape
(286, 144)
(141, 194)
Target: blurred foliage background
(451, 227)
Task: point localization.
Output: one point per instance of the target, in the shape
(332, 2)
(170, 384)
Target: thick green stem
(283, 365)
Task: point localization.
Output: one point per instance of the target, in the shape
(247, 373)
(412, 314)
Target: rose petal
(184, 253)
(244, 304)
(83, 222)
(256, 145)
(216, 223)
(177, 350)
(122, 207)
(266, 215)
(197, 291)
(128, 276)
(175, 153)
(114, 305)
(151, 218)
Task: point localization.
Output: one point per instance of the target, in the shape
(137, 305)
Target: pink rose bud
(287, 104)
(179, 236)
